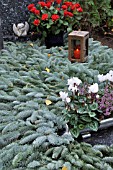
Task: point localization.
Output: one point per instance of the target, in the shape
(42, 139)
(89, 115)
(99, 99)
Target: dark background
(13, 11)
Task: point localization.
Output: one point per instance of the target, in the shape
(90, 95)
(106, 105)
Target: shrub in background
(96, 13)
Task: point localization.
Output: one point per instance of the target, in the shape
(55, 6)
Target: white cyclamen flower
(68, 99)
(109, 77)
(111, 72)
(77, 80)
(102, 77)
(74, 89)
(63, 95)
(93, 88)
(70, 82)
(74, 80)
(70, 87)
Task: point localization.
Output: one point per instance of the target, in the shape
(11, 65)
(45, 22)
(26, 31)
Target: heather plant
(106, 100)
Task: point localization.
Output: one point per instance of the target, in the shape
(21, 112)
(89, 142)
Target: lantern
(78, 46)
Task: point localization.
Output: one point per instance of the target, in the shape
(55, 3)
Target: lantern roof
(79, 33)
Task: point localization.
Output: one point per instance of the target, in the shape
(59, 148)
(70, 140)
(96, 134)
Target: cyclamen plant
(81, 107)
(86, 105)
(53, 16)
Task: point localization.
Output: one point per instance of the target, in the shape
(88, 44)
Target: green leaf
(60, 21)
(57, 32)
(85, 118)
(75, 132)
(94, 106)
(48, 26)
(69, 29)
(81, 110)
(81, 126)
(93, 125)
(65, 23)
(92, 114)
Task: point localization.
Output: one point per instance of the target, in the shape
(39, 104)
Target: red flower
(64, 7)
(50, 1)
(67, 13)
(58, 9)
(33, 10)
(73, 7)
(80, 9)
(77, 5)
(58, 1)
(55, 17)
(37, 12)
(44, 16)
(36, 22)
(68, 4)
(70, 14)
(30, 6)
(42, 4)
(48, 4)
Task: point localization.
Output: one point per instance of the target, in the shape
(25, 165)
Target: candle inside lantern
(77, 53)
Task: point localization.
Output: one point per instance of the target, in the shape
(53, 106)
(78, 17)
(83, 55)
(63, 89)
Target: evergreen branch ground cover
(31, 123)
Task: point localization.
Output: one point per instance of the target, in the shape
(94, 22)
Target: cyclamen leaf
(93, 125)
(92, 114)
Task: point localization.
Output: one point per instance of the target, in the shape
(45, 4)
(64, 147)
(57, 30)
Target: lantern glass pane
(76, 49)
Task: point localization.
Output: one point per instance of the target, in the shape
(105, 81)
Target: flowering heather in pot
(53, 16)
(106, 100)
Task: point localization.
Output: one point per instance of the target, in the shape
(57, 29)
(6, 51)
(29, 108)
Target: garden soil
(106, 38)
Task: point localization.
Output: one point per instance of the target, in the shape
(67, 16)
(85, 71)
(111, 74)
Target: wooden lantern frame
(83, 37)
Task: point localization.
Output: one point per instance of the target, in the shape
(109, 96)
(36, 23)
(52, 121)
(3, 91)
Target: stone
(1, 35)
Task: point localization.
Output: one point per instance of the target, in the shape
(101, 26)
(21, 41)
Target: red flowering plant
(53, 16)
